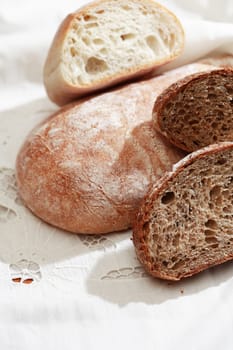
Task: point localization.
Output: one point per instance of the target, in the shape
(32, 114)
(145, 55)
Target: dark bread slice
(197, 110)
(185, 224)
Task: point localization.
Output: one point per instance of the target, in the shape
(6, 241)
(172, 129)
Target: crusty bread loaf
(87, 168)
(107, 42)
(185, 222)
(197, 110)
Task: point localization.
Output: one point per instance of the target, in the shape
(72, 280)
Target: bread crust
(141, 228)
(62, 92)
(132, 156)
(172, 91)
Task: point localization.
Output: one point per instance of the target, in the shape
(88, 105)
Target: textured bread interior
(115, 36)
(191, 225)
(200, 113)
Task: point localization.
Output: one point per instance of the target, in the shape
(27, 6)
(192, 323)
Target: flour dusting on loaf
(87, 168)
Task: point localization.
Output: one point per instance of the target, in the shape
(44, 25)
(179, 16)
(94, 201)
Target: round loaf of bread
(108, 42)
(87, 168)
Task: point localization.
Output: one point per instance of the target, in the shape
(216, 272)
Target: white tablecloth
(64, 291)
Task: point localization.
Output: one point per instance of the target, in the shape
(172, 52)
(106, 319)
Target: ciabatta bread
(108, 42)
(197, 110)
(185, 223)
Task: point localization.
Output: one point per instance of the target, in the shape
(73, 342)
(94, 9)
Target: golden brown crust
(141, 227)
(86, 190)
(172, 91)
(126, 112)
(101, 188)
(62, 92)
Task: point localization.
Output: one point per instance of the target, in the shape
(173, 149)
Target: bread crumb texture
(200, 112)
(186, 223)
(114, 36)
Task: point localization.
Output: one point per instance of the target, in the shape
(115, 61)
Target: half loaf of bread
(197, 110)
(185, 224)
(108, 42)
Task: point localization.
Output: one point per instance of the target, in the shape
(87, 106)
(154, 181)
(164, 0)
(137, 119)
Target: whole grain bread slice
(197, 110)
(185, 224)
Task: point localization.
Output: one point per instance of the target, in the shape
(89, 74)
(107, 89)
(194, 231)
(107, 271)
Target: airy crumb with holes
(197, 110)
(185, 223)
(108, 42)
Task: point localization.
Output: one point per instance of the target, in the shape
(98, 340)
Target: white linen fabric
(64, 291)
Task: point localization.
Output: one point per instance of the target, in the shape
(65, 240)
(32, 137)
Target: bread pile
(117, 159)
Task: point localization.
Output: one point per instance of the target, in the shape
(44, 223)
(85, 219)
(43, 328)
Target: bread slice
(197, 110)
(185, 224)
(108, 42)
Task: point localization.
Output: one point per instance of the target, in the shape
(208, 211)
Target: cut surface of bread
(185, 224)
(107, 42)
(198, 110)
